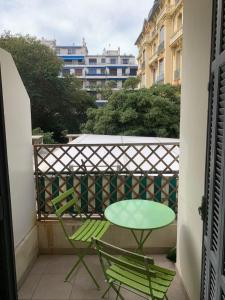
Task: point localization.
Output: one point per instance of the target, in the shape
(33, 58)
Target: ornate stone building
(160, 44)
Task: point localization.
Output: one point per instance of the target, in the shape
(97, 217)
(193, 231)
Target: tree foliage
(57, 104)
(47, 136)
(144, 112)
(131, 83)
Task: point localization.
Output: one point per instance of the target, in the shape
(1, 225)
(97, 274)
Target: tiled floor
(46, 281)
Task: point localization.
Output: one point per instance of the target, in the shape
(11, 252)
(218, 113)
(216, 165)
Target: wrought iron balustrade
(104, 174)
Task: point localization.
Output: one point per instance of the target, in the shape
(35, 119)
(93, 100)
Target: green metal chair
(67, 202)
(134, 272)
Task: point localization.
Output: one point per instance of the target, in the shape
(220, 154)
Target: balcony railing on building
(104, 174)
(177, 74)
(161, 47)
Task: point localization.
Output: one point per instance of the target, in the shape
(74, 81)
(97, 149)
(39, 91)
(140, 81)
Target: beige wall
(19, 148)
(52, 239)
(194, 101)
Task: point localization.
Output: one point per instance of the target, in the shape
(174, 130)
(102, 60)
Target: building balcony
(101, 174)
(176, 37)
(153, 59)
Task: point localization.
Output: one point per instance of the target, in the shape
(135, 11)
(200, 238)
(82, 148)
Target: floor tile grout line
(41, 275)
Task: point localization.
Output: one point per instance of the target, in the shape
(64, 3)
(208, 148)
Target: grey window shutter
(213, 248)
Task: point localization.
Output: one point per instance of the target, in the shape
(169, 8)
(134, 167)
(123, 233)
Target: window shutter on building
(213, 210)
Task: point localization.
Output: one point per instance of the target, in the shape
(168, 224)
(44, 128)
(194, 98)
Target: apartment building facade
(160, 44)
(95, 71)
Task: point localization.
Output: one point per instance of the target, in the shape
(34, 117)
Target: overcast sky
(100, 22)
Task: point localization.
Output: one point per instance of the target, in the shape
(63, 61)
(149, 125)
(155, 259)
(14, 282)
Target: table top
(139, 214)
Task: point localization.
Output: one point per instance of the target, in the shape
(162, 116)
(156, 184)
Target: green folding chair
(67, 202)
(134, 272)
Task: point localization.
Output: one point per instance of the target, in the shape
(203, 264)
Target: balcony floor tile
(48, 284)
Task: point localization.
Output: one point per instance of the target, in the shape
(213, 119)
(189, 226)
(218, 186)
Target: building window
(179, 21)
(153, 76)
(161, 67)
(103, 60)
(133, 71)
(125, 61)
(92, 61)
(161, 35)
(68, 62)
(57, 50)
(143, 55)
(66, 72)
(103, 71)
(112, 61)
(92, 71)
(78, 72)
(71, 51)
(178, 56)
(113, 72)
(124, 72)
(154, 49)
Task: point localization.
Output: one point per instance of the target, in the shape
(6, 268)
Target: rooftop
(120, 139)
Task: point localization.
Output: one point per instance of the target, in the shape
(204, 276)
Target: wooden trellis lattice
(103, 174)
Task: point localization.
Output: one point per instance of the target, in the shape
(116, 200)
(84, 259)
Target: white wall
(194, 102)
(19, 148)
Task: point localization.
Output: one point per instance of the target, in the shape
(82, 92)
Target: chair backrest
(131, 261)
(63, 204)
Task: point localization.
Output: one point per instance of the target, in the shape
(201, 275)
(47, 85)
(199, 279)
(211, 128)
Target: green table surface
(138, 214)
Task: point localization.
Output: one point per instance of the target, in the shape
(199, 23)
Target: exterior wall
(167, 15)
(52, 239)
(19, 147)
(194, 102)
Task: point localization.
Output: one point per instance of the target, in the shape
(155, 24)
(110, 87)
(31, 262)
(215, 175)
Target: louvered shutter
(213, 254)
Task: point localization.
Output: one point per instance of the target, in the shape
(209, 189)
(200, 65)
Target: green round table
(140, 215)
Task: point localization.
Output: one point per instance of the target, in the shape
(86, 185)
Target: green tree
(47, 136)
(107, 90)
(57, 104)
(144, 112)
(131, 83)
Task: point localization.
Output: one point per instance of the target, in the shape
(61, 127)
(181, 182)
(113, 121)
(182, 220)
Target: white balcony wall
(19, 149)
(194, 104)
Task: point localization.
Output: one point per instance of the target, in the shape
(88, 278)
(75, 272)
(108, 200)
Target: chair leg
(81, 260)
(117, 292)
(72, 269)
(106, 291)
(89, 272)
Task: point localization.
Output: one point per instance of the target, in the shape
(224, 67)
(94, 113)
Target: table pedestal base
(141, 239)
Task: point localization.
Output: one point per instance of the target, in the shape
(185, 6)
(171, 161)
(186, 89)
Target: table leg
(140, 240)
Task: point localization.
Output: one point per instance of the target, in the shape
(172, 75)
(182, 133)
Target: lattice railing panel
(103, 174)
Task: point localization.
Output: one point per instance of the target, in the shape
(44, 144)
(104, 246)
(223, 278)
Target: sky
(103, 23)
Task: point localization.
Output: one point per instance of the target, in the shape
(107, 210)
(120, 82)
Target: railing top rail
(108, 144)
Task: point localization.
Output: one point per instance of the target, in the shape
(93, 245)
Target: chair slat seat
(90, 229)
(136, 272)
(138, 281)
